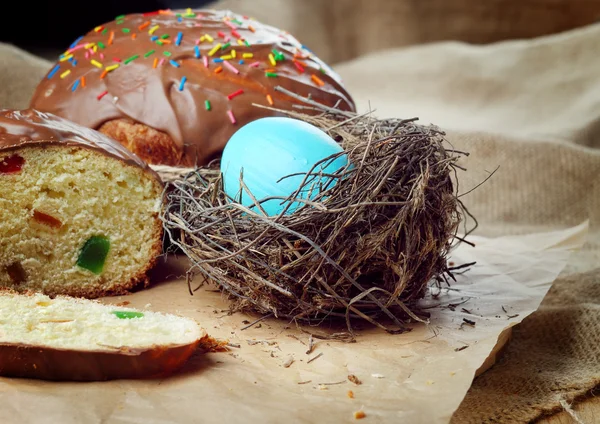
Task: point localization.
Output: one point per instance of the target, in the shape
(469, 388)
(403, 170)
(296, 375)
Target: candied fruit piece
(11, 164)
(93, 254)
(16, 273)
(46, 219)
(128, 314)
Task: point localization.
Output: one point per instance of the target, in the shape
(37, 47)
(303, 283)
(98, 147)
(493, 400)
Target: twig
(314, 358)
(256, 322)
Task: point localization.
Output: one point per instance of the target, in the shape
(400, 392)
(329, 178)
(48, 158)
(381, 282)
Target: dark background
(47, 28)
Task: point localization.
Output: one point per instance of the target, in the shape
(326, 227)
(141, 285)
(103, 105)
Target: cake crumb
(350, 394)
(359, 415)
(354, 379)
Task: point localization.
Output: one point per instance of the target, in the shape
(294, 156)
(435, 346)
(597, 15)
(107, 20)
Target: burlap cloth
(531, 108)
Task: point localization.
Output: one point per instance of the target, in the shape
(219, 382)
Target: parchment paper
(416, 377)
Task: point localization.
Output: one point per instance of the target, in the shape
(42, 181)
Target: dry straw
(364, 249)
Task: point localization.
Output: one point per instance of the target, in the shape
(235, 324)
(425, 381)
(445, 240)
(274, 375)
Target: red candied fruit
(11, 164)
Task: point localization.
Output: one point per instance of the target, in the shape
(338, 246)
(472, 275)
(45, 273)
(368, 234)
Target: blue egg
(267, 150)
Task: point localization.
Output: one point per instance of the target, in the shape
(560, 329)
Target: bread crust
(39, 362)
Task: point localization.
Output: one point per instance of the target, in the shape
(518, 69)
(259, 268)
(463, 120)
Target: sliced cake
(64, 338)
(79, 214)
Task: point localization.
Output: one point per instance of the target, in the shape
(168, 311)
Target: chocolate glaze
(27, 127)
(151, 95)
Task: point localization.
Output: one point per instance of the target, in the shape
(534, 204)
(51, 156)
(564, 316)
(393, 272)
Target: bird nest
(366, 248)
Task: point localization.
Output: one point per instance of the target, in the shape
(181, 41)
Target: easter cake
(173, 86)
(65, 338)
(78, 211)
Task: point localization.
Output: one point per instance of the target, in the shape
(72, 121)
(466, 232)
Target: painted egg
(273, 157)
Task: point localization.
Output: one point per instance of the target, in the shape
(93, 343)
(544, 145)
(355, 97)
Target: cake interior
(85, 325)
(75, 221)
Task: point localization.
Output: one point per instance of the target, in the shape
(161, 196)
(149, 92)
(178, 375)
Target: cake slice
(79, 214)
(65, 338)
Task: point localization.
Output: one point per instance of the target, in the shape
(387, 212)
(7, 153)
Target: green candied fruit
(127, 314)
(93, 254)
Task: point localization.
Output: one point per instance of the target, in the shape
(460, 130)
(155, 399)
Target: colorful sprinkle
(133, 36)
(144, 25)
(300, 68)
(161, 61)
(75, 85)
(155, 62)
(272, 59)
(101, 45)
(82, 82)
(221, 34)
(224, 46)
(317, 80)
(111, 37)
(235, 93)
(118, 18)
(231, 67)
(96, 63)
(175, 64)
(164, 36)
(251, 28)
(271, 74)
(178, 40)
(233, 53)
(240, 42)
(132, 58)
(166, 53)
(219, 69)
(209, 38)
(182, 83)
(103, 74)
(241, 62)
(149, 53)
(231, 117)
(270, 99)
(214, 49)
(197, 51)
(112, 67)
(75, 42)
(236, 34)
(98, 28)
(254, 65)
(154, 28)
(227, 57)
(126, 30)
(207, 104)
(64, 74)
(154, 38)
(116, 59)
(218, 60)
(65, 58)
(248, 55)
(104, 93)
(205, 60)
(71, 50)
